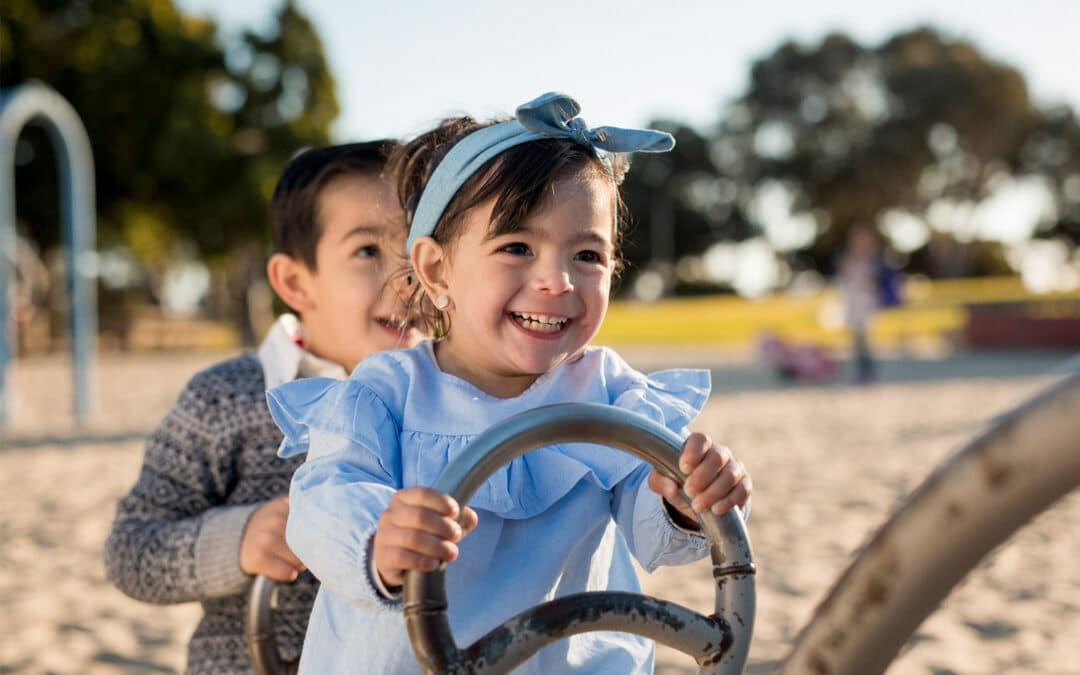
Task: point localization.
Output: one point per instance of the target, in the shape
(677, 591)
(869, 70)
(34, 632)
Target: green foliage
(187, 142)
(854, 131)
(850, 132)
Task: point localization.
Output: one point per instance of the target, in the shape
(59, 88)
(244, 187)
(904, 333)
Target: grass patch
(933, 311)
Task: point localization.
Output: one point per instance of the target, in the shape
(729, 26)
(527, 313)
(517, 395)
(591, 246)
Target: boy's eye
(516, 248)
(369, 251)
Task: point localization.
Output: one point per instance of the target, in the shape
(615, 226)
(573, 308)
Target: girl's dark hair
(294, 208)
(519, 179)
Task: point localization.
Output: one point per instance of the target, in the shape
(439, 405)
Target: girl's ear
(291, 280)
(431, 264)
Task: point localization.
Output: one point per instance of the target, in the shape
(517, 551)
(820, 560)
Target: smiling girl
(513, 240)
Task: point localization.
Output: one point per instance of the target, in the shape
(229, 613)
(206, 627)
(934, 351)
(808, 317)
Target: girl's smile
(543, 326)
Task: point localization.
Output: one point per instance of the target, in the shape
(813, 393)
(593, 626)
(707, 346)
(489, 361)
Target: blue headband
(552, 115)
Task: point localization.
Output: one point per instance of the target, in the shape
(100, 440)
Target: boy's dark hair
(294, 207)
(519, 179)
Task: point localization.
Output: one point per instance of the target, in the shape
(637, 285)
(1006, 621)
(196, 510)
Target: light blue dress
(558, 520)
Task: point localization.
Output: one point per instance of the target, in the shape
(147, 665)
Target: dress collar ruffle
(436, 415)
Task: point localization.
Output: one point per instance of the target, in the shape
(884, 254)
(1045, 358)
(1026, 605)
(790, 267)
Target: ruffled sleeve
(296, 405)
(346, 409)
(352, 468)
(673, 398)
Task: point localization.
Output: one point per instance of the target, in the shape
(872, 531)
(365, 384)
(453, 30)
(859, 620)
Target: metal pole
(35, 102)
(1026, 461)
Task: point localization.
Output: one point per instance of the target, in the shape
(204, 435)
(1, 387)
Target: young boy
(209, 508)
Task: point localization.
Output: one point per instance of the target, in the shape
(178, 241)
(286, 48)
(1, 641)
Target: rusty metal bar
(259, 630)
(720, 643)
(1026, 461)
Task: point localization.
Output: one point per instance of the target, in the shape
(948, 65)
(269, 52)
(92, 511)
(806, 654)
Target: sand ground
(829, 465)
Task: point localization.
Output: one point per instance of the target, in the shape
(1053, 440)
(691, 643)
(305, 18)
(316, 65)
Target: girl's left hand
(715, 479)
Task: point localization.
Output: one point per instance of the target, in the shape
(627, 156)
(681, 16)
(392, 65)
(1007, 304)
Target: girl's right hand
(419, 529)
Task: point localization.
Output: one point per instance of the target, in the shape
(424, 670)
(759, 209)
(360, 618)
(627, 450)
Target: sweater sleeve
(173, 538)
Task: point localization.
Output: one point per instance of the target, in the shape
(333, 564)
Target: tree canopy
(189, 130)
(844, 133)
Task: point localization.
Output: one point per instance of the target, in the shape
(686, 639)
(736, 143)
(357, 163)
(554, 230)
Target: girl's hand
(716, 480)
(417, 531)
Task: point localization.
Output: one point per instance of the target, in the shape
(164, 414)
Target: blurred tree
(1052, 150)
(679, 204)
(851, 133)
(189, 134)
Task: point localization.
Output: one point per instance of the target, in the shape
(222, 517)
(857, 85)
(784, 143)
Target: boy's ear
(429, 261)
(291, 280)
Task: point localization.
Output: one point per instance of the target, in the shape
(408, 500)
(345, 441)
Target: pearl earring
(442, 301)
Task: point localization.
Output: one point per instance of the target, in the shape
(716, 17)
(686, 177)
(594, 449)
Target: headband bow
(552, 115)
(555, 115)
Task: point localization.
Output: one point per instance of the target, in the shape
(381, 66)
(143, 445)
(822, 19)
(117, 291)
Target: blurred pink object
(790, 361)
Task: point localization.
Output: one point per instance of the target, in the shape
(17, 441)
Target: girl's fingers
(428, 499)
(396, 561)
(706, 473)
(731, 488)
(421, 543)
(719, 486)
(693, 451)
(468, 520)
(420, 518)
(664, 486)
(714, 492)
(737, 497)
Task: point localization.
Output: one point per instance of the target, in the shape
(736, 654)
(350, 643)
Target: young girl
(513, 240)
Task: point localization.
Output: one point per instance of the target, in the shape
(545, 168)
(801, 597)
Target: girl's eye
(517, 248)
(369, 251)
(589, 257)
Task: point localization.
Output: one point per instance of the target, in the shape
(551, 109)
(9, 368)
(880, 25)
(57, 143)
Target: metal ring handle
(259, 630)
(719, 642)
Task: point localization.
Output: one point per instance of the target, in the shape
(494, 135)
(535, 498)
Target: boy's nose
(400, 287)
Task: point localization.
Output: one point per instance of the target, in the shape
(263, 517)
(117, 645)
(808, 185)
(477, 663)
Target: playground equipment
(19, 106)
(719, 643)
(1025, 461)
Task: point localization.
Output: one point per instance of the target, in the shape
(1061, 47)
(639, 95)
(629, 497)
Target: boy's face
(354, 309)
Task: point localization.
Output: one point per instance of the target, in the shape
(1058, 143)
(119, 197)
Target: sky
(400, 66)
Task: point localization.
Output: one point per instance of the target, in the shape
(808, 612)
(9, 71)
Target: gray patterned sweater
(176, 538)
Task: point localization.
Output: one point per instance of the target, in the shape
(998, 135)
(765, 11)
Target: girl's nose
(553, 278)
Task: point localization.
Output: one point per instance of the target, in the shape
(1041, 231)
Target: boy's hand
(716, 480)
(417, 531)
(263, 549)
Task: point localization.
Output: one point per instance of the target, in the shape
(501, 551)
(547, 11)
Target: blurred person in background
(867, 285)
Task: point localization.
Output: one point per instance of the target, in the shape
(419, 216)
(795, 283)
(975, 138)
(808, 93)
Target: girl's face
(522, 303)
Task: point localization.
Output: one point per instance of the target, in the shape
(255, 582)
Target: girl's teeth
(538, 323)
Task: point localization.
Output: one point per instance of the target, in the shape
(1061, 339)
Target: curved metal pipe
(720, 643)
(259, 630)
(1026, 461)
(19, 106)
